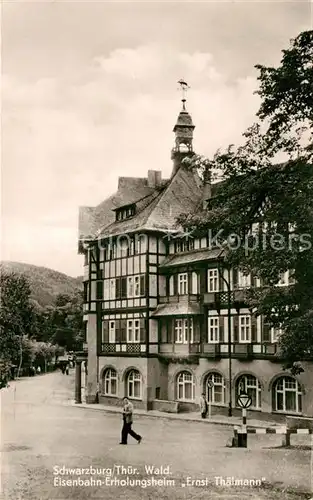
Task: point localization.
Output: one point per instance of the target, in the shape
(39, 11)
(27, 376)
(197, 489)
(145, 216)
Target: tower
(183, 130)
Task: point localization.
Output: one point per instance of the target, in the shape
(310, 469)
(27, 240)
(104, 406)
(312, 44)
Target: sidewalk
(187, 417)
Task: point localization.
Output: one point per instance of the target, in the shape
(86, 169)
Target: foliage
(65, 320)
(29, 333)
(45, 284)
(262, 211)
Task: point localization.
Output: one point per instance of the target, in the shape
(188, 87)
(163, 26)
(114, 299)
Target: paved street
(42, 432)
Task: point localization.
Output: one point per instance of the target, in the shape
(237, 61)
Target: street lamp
(227, 283)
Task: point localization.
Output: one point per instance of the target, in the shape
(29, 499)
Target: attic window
(125, 212)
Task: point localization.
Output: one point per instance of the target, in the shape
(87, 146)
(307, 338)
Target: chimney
(154, 178)
(207, 189)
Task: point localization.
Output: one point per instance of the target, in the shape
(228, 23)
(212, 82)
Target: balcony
(121, 349)
(219, 300)
(173, 299)
(211, 351)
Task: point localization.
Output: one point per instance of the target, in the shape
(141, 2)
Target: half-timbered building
(164, 320)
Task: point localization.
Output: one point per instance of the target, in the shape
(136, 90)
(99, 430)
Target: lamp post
(227, 283)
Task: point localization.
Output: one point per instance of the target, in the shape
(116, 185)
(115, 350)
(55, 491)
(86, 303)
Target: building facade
(165, 321)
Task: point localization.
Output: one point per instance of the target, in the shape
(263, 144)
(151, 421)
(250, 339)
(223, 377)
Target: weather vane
(184, 88)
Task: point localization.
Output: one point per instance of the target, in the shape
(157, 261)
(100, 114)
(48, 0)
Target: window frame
(245, 339)
(214, 280)
(182, 383)
(133, 378)
(210, 327)
(244, 378)
(210, 391)
(298, 395)
(108, 378)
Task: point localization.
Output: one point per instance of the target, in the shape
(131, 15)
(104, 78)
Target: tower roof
(183, 120)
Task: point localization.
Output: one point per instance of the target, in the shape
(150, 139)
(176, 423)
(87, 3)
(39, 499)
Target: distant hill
(45, 283)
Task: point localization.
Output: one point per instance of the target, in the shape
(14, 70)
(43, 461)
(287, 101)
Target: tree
(16, 316)
(262, 211)
(65, 321)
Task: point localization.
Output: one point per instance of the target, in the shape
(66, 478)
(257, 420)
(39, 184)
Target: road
(42, 435)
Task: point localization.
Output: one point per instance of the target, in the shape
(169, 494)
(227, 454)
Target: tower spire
(183, 130)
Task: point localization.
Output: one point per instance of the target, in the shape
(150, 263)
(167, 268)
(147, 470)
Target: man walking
(127, 423)
(203, 406)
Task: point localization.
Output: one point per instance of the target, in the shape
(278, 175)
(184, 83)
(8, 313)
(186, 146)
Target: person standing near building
(203, 406)
(127, 423)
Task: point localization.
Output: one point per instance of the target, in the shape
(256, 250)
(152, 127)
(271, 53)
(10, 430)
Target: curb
(165, 416)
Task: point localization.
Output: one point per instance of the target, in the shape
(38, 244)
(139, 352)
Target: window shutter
(117, 330)
(236, 328)
(99, 292)
(142, 330)
(235, 278)
(105, 331)
(253, 280)
(170, 329)
(123, 288)
(221, 329)
(196, 330)
(171, 285)
(118, 288)
(175, 282)
(266, 331)
(253, 328)
(194, 280)
(123, 330)
(142, 285)
(220, 280)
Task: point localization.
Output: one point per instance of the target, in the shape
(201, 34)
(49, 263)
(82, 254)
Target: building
(159, 306)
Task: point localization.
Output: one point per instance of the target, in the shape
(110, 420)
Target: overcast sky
(90, 93)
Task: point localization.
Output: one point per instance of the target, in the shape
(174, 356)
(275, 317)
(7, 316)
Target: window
(184, 245)
(134, 385)
(135, 286)
(214, 327)
(215, 388)
(185, 387)
(110, 382)
(244, 280)
(283, 279)
(125, 212)
(112, 332)
(183, 284)
(276, 333)
(249, 384)
(183, 330)
(245, 328)
(133, 330)
(287, 395)
(109, 289)
(213, 280)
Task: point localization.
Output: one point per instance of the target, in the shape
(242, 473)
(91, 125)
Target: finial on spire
(184, 88)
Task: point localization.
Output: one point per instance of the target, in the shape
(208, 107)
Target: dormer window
(125, 212)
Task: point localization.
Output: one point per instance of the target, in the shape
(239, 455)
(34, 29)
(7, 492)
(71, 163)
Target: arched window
(134, 385)
(110, 382)
(215, 388)
(287, 395)
(185, 387)
(250, 385)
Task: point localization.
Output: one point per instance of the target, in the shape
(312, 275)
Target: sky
(90, 93)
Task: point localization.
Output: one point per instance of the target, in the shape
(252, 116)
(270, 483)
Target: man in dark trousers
(203, 406)
(127, 423)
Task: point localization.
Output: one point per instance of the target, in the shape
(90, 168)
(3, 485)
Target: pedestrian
(38, 370)
(203, 406)
(127, 423)
(67, 370)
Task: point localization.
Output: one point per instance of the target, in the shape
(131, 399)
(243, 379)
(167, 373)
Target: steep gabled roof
(159, 211)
